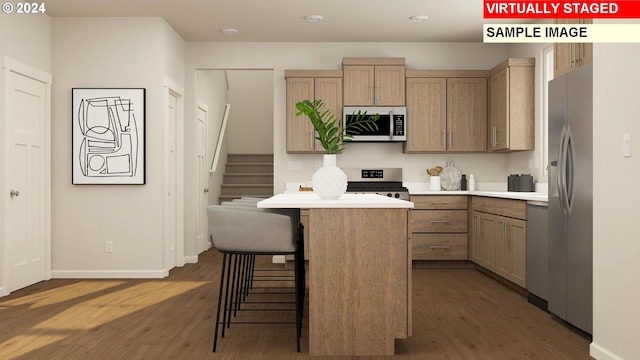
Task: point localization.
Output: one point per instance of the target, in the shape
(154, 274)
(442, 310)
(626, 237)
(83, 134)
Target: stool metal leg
(215, 335)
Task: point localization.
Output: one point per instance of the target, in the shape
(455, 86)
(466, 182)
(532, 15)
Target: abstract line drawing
(108, 136)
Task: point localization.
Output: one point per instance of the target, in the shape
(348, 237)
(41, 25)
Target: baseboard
(538, 302)
(598, 352)
(109, 274)
(191, 259)
(442, 264)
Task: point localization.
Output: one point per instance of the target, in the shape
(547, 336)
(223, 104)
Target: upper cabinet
(374, 81)
(446, 111)
(511, 107)
(310, 85)
(569, 56)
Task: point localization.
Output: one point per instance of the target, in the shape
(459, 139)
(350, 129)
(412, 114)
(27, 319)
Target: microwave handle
(391, 124)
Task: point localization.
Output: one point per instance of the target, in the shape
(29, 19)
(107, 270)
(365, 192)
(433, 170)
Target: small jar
(472, 183)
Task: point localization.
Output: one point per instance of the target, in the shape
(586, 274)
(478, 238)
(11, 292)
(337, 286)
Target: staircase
(247, 175)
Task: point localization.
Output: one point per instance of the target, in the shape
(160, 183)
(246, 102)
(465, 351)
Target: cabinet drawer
(439, 202)
(439, 246)
(511, 208)
(483, 204)
(439, 221)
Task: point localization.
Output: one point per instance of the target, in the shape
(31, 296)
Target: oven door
(392, 125)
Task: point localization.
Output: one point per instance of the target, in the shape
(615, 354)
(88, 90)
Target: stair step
(248, 178)
(250, 158)
(253, 168)
(246, 189)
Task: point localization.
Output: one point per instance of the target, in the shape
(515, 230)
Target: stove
(382, 181)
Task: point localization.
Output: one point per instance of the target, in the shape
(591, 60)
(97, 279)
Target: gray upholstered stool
(239, 232)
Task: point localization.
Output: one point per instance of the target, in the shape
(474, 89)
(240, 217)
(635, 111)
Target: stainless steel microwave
(392, 123)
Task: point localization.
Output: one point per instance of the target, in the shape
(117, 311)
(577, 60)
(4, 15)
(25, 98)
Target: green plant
(330, 131)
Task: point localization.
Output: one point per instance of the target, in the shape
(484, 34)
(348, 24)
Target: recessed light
(314, 17)
(229, 31)
(418, 18)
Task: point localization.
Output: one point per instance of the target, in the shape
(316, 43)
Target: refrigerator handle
(569, 172)
(561, 169)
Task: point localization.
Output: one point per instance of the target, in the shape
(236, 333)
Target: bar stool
(241, 232)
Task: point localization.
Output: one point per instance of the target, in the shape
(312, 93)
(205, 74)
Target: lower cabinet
(498, 239)
(438, 227)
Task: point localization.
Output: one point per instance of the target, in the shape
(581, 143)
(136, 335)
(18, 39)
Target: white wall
(27, 39)
(616, 249)
(250, 128)
(110, 52)
(281, 56)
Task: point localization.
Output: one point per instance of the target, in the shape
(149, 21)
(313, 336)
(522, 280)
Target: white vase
(434, 183)
(329, 182)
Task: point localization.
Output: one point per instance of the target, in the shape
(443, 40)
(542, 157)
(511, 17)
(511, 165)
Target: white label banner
(561, 33)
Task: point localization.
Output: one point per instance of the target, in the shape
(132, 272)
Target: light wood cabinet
(427, 109)
(438, 227)
(374, 81)
(511, 244)
(498, 237)
(310, 85)
(466, 114)
(447, 112)
(569, 56)
(511, 108)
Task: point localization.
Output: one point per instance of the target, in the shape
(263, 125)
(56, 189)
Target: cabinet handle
(450, 143)
(444, 139)
(439, 221)
(439, 247)
(439, 202)
(495, 136)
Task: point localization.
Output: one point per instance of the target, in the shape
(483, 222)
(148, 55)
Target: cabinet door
(503, 256)
(517, 242)
(300, 132)
(426, 111)
(466, 114)
(475, 238)
(488, 235)
(329, 90)
(562, 58)
(499, 110)
(389, 86)
(358, 85)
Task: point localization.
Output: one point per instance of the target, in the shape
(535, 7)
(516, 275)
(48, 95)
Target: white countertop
(529, 196)
(310, 200)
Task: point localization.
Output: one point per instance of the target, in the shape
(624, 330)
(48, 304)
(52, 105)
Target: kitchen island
(359, 275)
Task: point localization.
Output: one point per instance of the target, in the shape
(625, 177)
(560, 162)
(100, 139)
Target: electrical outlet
(108, 246)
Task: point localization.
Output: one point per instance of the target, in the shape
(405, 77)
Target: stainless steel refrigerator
(571, 198)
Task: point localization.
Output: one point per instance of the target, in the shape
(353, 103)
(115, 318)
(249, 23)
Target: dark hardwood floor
(457, 314)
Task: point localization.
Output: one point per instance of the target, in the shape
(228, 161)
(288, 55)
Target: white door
(170, 208)
(203, 172)
(26, 176)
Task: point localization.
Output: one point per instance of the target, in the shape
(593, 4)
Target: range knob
(389, 195)
(397, 195)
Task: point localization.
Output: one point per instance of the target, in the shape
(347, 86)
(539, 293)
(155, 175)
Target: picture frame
(108, 136)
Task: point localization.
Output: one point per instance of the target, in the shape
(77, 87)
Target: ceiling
(284, 20)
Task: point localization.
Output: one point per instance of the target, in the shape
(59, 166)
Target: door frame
(203, 183)
(172, 88)
(8, 66)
